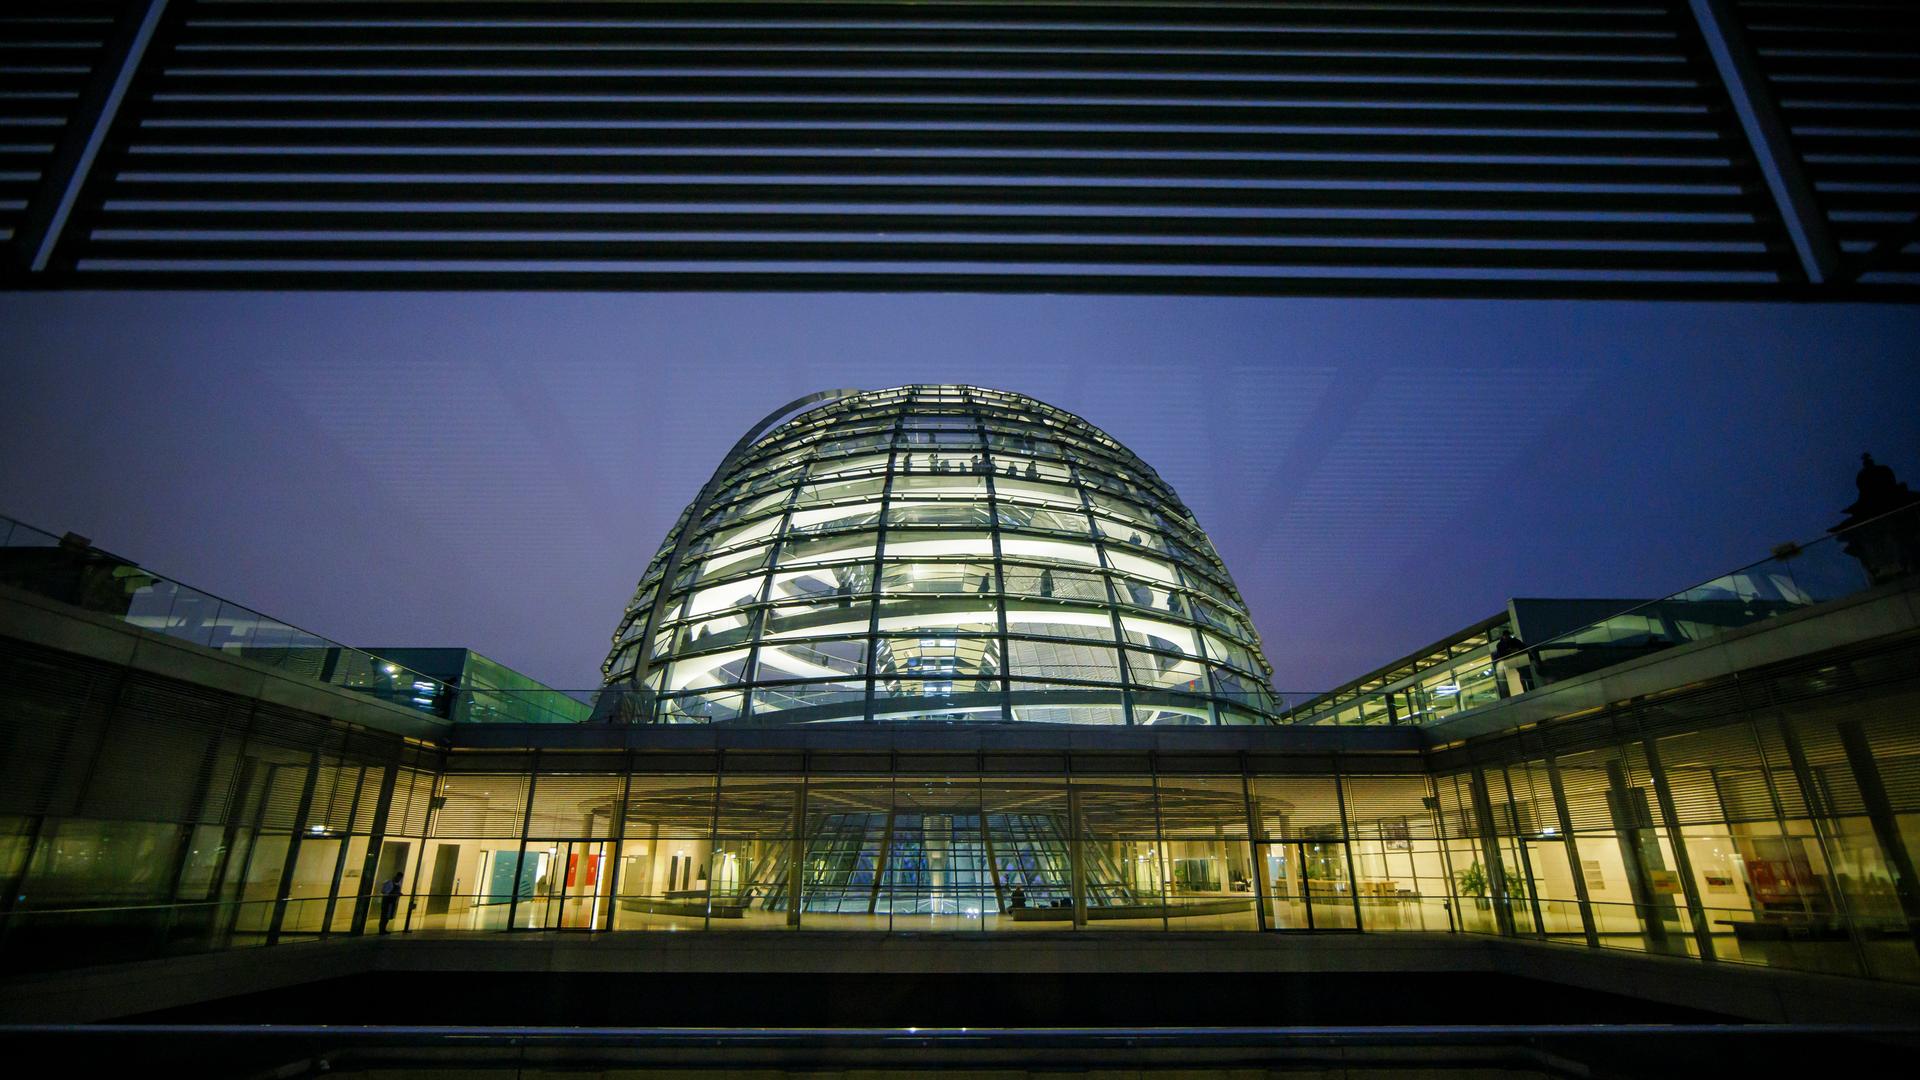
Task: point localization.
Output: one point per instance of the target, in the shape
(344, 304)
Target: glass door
(1329, 886)
(1308, 886)
(1285, 886)
(573, 884)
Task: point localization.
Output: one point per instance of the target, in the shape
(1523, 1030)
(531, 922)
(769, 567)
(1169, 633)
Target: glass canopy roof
(938, 553)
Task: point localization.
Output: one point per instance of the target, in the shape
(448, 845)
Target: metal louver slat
(369, 805)
(151, 762)
(1397, 801)
(53, 713)
(412, 801)
(1895, 739)
(1300, 808)
(480, 805)
(1584, 777)
(1715, 775)
(567, 805)
(47, 55)
(284, 783)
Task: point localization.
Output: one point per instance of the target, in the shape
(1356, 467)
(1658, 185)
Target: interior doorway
(571, 887)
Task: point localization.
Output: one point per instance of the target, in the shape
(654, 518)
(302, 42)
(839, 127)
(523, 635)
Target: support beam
(1883, 255)
(1768, 135)
(52, 204)
(1496, 872)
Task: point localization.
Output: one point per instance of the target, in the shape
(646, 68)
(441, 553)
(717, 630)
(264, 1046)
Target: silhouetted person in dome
(1046, 583)
(1033, 471)
(1882, 528)
(1174, 605)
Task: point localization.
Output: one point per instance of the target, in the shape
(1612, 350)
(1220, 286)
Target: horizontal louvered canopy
(1347, 148)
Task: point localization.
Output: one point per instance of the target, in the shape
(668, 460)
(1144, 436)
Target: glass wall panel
(834, 616)
(1125, 867)
(811, 659)
(1297, 824)
(663, 866)
(1400, 872)
(708, 669)
(1210, 867)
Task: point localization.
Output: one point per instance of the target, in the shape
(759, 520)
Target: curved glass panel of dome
(937, 553)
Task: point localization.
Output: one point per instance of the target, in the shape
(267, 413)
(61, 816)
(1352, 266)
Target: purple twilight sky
(495, 470)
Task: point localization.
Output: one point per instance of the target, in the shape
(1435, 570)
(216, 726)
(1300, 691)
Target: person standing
(1509, 681)
(389, 900)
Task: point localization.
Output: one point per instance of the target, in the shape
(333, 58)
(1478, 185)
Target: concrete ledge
(956, 738)
(1758, 994)
(115, 990)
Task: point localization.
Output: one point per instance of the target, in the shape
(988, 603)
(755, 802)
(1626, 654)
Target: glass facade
(938, 553)
(1769, 819)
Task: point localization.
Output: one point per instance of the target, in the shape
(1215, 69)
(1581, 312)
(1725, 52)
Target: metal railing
(1795, 577)
(72, 571)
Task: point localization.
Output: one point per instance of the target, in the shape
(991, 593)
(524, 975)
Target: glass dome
(937, 553)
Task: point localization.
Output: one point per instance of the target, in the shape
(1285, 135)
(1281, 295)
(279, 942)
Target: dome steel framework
(937, 553)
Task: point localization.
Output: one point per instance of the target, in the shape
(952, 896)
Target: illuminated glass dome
(937, 553)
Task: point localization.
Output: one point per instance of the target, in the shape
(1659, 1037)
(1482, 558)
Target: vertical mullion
(1199, 643)
(1160, 853)
(1107, 571)
(1439, 819)
(757, 619)
(617, 833)
(293, 846)
(1526, 860)
(1565, 817)
(340, 857)
(894, 450)
(1255, 847)
(1346, 845)
(999, 566)
(526, 823)
(713, 834)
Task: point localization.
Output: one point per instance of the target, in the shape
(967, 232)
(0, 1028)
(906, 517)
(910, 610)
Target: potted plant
(1473, 882)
